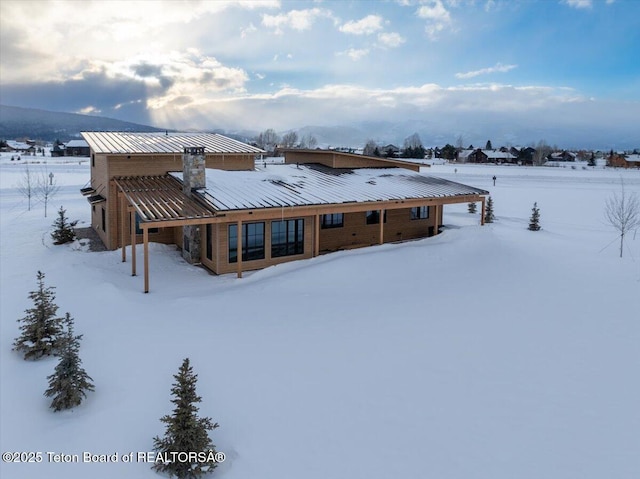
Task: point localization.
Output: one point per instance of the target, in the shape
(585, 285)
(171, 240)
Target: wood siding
(345, 160)
(357, 233)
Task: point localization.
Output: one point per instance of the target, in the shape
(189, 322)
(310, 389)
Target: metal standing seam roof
(116, 142)
(290, 185)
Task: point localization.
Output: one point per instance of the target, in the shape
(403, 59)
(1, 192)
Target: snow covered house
(485, 156)
(76, 148)
(207, 194)
(624, 161)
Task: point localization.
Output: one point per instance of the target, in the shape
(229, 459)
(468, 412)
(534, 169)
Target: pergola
(159, 202)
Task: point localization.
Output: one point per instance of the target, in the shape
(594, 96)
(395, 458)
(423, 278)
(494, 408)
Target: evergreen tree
(534, 221)
(40, 329)
(489, 146)
(488, 211)
(185, 432)
(64, 230)
(67, 385)
(472, 207)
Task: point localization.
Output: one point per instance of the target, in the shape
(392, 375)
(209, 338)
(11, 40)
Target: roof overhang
(160, 199)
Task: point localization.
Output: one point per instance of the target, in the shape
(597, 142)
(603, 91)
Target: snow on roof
(312, 184)
(490, 154)
(77, 144)
(633, 158)
(465, 153)
(498, 154)
(124, 142)
(18, 145)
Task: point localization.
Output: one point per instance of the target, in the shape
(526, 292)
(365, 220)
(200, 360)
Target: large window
(335, 220)
(252, 242)
(287, 237)
(139, 230)
(420, 213)
(209, 240)
(373, 217)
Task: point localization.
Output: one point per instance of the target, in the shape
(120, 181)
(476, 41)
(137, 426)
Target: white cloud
(174, 78)
(354, 53)
(437, 17)
(292, 107)
(391, 39)
(497, 68)
(107, 31)
(248, 30)
(365, 26)
(299, 20)
(579, 3)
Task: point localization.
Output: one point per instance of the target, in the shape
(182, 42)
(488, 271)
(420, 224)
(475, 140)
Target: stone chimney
(193, 178)
(193, 169)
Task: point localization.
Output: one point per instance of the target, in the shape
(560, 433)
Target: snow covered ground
(485, 352)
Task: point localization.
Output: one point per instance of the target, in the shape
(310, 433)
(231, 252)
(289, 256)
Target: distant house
(390, 150)
(207, 194)
(624, 161)
(485, 156)
(20, 147)
(563, 156)
(76, 148)
(472, 156)
(57, 150)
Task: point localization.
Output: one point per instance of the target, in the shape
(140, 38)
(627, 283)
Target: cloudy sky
(468, 66)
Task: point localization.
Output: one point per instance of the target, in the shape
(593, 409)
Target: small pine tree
(40, 329)
(185, 432)
(488, 211)
(534, 221)
(69, 383)
(64, 230)
(472, 208)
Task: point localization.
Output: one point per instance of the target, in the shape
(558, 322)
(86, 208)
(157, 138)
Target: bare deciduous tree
(541, 153)
(460, 143)
(309, 141)
(290, 139)
(46, 188)
(412, 141)
(268, 139)
(27, 185)
(622, 211)
(370, 148)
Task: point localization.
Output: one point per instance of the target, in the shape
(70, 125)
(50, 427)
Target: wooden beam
(145, 239)
(381, 213)
(436, 218)
(123, 225)
(239, 244)
(316, 236)
(482, 212)
(133, 243)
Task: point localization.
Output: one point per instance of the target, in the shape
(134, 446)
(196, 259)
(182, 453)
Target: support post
(436, 218)
(123, 225)
(381, 213)
(316, 236)
(239, 253)
(145, 240)
(482, 212)
(133, 243)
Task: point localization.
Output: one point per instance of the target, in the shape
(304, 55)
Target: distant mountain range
(45, 125)
(16, 123)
